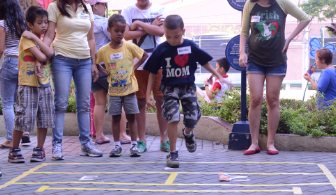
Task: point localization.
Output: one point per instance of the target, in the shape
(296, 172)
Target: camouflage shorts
(186, 93)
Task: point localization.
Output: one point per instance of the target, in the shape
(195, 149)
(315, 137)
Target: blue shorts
(100, 84)
(253, 68)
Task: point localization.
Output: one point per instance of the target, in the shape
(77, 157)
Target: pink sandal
(103, 141)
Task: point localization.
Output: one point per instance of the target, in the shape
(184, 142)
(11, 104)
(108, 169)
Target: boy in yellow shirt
(35, 96)
(118, 57)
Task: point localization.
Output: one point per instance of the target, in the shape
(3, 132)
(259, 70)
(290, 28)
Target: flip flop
(103, 141)
(3, 146)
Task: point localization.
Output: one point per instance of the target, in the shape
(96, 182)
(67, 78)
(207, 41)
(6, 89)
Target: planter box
(215, 129)
(208, 128)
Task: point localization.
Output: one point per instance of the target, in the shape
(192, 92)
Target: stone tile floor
(287, 173)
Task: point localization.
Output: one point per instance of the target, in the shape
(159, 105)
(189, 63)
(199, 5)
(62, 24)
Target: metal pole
(243, 87)
(305, 58)
(243, 96)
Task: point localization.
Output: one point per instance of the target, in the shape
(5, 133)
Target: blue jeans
(9, 84)
(62, 70)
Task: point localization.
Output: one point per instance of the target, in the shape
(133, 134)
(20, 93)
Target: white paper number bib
(184, 50)
(255, 19)
(117, 56)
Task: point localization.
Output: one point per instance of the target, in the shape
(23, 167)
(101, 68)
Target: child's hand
(149, 100)
(307, 77)
(211, 80)
(38, 71)
(28, 34)
(103, 70)
(95, 73)
(206, 82)
(134, 25)
(158, 21)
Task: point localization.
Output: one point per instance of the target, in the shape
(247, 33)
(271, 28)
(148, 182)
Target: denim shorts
(100, 84)
(253, 68)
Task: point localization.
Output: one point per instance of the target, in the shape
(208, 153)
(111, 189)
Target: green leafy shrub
(72, 98)
(295, 117)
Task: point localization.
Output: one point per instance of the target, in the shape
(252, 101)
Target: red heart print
(181, 61)
(276, 26)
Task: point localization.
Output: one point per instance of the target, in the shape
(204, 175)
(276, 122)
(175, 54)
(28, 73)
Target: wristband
(206, 85)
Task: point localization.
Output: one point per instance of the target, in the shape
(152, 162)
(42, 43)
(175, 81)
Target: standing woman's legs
(99, 113)
(61, 70)
(273, 87)
(256, 85)
(83, 79)
(9, 85)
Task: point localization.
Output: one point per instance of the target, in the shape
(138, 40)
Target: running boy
(216, 93)
(118, 57)
(35, 96)
(178, 58)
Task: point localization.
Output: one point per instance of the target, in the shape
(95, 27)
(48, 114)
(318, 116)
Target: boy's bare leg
(172, 134)
(141, 119)
(16, 138)
(116, 127)
(163, 124)
(188, 130)
(132, 125)
(123, 122)
(41, 136)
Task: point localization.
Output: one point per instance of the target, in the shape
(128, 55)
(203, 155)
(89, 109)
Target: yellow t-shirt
(71, 33)
(27, 61)
(120, 64)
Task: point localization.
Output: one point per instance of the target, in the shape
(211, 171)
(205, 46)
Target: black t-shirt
(267, 35)
(178, 63)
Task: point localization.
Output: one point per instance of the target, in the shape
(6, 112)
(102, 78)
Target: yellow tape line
(175, 184)
(171, 178)
(22, 175)
(43, 188)
(329, 175)
(153, 172)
